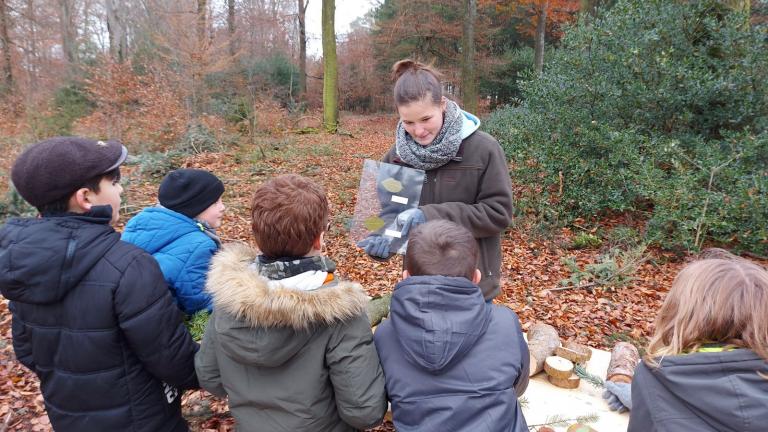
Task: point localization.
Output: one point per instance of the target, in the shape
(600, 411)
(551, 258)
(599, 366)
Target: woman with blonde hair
(706, 365)
(467, 179)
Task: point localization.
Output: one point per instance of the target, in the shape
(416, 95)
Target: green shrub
(13, 205)
(655, 105)
(585, 241)
(198, 139)
(156, 164)
(70, 103)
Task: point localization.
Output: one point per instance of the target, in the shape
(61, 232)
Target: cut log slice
(571, 382)
(578, 427)
(542, 341)
(574, 352)
(558, 367)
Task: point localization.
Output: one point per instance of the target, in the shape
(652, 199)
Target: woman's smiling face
(422, 119)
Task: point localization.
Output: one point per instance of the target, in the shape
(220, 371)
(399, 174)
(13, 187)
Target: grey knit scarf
(441, 150)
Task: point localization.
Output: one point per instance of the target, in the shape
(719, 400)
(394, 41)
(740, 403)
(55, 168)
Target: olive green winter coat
(289, 360)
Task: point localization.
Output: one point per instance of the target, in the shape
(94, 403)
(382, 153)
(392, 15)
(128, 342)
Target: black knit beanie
(190, 191)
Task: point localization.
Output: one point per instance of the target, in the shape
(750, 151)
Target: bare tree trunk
(330, 72)
(469, 90)
(118, 34)
(231, 27)
(68, 31)
(302, 48)
(197, 60)
(5, 46)
(541, 30)
(31, 53)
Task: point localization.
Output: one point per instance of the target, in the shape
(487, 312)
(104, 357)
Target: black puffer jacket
(92, 317)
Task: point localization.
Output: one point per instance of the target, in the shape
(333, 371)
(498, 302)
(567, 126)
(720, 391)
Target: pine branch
(558, 420)
(582, 373)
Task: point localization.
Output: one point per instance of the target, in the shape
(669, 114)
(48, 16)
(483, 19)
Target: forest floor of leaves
(532, 259)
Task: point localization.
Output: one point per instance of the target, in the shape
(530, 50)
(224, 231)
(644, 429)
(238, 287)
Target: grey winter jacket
(475, 191)
(452, 361)
(702, 392)
(289, 360)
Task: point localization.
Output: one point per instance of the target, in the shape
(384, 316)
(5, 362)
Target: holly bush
(656, 106)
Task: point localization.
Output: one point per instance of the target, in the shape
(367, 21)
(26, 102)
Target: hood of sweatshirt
(439, 319)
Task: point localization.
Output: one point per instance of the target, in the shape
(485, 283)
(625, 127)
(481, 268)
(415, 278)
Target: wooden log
(378, 308)
(571, 382)
(624, 359)
(542, 341)
(558, 367)
(574, 352)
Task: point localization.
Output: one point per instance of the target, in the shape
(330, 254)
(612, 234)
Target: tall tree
(541, 30)
(117, 29)
(302, 4)
(5, 46)
(330, 75)
(231, 27)
(68, 30)
(469, 91)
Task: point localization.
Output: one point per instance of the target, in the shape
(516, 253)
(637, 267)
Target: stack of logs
(558, 361)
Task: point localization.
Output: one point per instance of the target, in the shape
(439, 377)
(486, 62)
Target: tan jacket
(289, 360)
(475, 191)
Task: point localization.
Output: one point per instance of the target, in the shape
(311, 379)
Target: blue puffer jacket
(92, 318)
(451, 361)
(183, 250)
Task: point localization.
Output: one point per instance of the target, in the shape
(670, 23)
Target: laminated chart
(386, 191)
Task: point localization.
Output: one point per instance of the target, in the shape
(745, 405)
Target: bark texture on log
(378, 309)
(624, 359)
(542, 341)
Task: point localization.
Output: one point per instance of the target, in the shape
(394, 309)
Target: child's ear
(319, 241)
(477, 276)
(79, 202)
(406, 275)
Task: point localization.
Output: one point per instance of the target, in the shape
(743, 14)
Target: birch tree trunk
(118, 32)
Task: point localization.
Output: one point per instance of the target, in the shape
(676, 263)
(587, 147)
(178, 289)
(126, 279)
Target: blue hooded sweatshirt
(181, 247)
(451, 361)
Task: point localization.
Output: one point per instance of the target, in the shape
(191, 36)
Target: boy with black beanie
(180, 233)
(92, 317)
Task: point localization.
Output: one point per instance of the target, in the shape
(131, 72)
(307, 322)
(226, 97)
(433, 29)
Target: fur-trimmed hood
(239, 290)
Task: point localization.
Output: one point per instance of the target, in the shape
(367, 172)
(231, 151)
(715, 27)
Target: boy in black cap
(180, 233)
(91, 314)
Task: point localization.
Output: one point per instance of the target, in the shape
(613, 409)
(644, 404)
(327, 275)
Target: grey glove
(618, 396)
(376, 246)
(409, 219)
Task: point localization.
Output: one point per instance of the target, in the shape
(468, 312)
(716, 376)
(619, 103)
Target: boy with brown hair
(92, 317)
(452, 362)
(289, 343)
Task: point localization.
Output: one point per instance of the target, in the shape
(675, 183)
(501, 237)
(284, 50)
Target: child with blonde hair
(705, 368)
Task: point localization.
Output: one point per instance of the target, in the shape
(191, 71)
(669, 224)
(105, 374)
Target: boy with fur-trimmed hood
(289, 343)
(92, 317)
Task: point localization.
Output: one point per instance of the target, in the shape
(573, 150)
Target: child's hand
(618, 395)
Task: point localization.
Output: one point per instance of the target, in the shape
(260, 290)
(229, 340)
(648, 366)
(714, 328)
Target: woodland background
(635, 130)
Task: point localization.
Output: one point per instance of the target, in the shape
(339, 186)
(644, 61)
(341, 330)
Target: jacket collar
(238, 289)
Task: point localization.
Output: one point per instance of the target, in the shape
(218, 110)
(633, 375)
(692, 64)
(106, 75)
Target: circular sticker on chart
(373, 223)
(392, 185)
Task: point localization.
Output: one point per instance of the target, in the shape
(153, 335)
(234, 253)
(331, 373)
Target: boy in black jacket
(92, 316)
